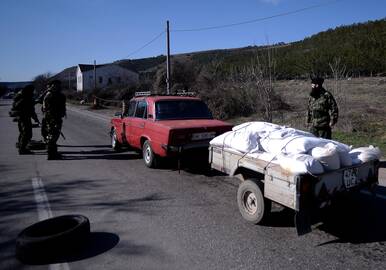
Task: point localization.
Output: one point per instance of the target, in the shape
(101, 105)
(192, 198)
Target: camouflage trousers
(25, 133)
(51, 128)
(322, 132)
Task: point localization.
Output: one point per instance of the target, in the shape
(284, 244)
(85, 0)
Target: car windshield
(182, 109)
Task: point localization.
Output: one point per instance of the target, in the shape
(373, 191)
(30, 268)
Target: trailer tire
(52, 237)
(149, 156)
(115, 144)
(251, 202)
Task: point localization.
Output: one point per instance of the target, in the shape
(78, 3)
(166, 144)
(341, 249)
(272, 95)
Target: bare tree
(339, 73)
(259, 75)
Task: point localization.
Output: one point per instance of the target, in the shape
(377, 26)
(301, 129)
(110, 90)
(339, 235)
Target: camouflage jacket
(54, 105)
(322, 110)
(23, 107)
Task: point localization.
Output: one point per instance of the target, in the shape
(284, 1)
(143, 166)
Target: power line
(256, 20)
(146, 44)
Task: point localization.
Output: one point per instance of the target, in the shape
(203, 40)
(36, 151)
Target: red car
(165, 126)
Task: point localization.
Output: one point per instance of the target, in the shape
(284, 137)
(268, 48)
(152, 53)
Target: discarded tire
(52, 238)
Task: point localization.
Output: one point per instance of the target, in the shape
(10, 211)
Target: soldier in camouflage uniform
(23, 109)
(322, 112)
(54, 109)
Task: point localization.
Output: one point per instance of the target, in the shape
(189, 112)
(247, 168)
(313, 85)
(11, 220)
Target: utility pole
(167, 59)
(94, 74)
(69, 80)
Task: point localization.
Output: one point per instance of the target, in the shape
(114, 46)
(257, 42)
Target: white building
(108, 75)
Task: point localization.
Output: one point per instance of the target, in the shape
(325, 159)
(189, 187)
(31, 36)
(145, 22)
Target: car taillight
(178, 138)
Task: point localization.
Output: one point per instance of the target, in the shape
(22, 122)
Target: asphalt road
(143, 218)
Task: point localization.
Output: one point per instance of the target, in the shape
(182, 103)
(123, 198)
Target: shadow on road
(91, 146)
(357, 219)
(107, 154)
(281, 218)
(98, 243)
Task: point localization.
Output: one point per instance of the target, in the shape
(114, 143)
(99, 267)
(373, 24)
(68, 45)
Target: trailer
(264, 182)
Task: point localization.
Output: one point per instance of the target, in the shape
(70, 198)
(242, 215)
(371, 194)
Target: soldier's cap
(317, 80)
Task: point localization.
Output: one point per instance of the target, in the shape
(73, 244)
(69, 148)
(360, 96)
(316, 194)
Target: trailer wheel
(149, 157)
(251, 202)
(115, 144)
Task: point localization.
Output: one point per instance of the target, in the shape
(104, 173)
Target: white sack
(365, 154)
(344, 157)
(300, 163)
(292, 144)
(242, 140)
(328, 156)
(245, 137)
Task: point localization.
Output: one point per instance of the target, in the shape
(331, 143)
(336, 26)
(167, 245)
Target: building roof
(85, 67)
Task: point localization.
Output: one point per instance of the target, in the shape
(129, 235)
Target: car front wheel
(115, 144)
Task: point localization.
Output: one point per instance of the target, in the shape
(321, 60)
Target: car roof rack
(176, 93)
(143, 93)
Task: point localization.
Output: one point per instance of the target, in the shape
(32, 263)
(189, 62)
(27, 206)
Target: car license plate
(203, 136)
(350, 177)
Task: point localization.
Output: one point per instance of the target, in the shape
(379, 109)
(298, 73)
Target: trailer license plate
(350, 177)
(203, 136)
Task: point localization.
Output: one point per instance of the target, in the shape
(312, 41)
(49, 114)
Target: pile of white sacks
(294, 150)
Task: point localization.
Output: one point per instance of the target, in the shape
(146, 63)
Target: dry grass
(362, 109)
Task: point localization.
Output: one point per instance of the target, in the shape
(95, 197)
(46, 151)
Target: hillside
(360, 47)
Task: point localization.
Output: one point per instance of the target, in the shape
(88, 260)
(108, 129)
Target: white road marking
(43, 206)
(376, 195)
(44, 212)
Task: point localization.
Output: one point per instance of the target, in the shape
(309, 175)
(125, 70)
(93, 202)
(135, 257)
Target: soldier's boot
(52, 152)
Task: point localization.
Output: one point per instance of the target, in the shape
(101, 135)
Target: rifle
(61, 134)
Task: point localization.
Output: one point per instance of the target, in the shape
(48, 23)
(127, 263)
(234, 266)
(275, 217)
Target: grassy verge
(358, 139)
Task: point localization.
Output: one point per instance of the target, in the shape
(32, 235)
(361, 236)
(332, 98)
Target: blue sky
(39, 36)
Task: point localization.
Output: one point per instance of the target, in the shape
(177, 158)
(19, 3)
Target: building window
(100, 79)
(109, 81)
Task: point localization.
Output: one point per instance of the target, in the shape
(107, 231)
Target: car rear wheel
(115, 144)
(251, 202)
(148, 155)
